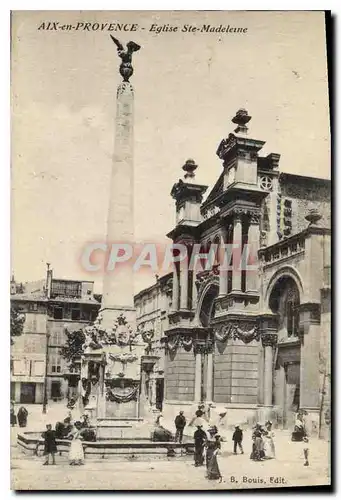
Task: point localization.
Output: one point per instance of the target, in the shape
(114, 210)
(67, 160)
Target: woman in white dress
(76, 453)
(269, 445)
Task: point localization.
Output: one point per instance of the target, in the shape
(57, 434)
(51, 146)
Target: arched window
(292, 311)
(285, 301)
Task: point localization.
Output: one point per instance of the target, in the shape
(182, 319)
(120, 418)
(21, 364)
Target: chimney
(48, 280)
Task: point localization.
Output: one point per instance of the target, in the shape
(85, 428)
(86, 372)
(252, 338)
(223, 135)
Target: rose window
(266, 183)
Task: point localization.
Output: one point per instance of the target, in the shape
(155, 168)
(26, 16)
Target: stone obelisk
(118, 283)
(121, 355)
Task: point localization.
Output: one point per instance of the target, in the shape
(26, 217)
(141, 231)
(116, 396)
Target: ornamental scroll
(122, 395)
(237, 331)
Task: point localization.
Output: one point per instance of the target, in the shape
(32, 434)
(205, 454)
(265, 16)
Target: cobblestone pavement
(238, 470)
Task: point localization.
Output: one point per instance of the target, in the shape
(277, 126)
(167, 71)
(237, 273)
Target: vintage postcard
(171, 270)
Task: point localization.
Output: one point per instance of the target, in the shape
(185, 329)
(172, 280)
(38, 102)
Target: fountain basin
(31, 443)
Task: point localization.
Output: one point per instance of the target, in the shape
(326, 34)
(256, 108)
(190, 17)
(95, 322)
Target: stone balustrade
(284, 249)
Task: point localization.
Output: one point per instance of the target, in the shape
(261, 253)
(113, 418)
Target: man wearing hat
(180, 423)
(199, 443)
(237, 439)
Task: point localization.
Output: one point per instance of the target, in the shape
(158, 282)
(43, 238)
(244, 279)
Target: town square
(185, 347)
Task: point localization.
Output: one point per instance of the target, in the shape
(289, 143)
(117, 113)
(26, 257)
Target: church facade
(252, 340)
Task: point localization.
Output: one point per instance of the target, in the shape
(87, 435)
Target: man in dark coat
(199, 443)
(237, 439)
(180, 423)
(50, 446)
(13, 415)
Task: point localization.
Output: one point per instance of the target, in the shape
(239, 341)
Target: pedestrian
(50, 445)
(269, 444)
(237, 439)
(68, 419)
(22, 416)
(210, 443)
(199, 417)
(13, 415)
(180, 423)
(300, 436)
(199, 446)
(213, 471)
(85, 421)
(76, 453)
(257, 453)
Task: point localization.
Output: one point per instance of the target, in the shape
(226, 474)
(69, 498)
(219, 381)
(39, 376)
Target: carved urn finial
(241, 118)
(313, 217)
(190, 167)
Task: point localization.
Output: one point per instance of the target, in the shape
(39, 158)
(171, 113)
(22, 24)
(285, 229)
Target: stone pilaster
(199, 352)
(197, 386)
(310, 330)
(175, 290)
(209, 377)
(269, 340)
(194, 291)
(184, 284)
(252, 279)
(237, 252)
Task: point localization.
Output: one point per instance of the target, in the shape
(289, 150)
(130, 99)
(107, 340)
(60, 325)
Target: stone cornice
(184, 191)
(310, 314)
(232, 143)
(239, 192)
(181, 313)
(194, 332)
(183, 230)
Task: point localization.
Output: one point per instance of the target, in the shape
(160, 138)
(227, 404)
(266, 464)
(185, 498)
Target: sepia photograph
(170, 292)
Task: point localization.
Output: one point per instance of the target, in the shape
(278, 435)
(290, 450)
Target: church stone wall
(180, 376)
(307, 194)
(236, 373)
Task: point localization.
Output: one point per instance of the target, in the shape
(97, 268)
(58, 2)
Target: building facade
(250, 341)
(152, 309)
(50, 308)
(28, 352)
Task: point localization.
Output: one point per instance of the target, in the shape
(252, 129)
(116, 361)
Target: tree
(17, 322)
(72, 349)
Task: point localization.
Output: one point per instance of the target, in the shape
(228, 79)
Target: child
(50, 446)
(237, 439)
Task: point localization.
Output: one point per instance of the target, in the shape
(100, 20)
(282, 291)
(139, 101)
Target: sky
(188, 87)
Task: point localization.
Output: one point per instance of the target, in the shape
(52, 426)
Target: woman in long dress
(269, 445)
(213, 450)
(160, 433)
(300, 436)
(257, 453)
(76, 453)
(22, 416)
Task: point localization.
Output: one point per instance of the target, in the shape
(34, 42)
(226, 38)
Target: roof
(303, 178)
(72, 300)
(25, 297)
(29, 297)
